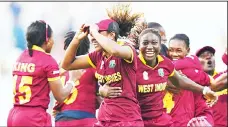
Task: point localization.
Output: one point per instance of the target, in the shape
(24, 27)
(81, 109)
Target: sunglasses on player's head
(46, 34)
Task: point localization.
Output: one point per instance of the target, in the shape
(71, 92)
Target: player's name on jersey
(115, 77)
(24, 67)
(148, 88)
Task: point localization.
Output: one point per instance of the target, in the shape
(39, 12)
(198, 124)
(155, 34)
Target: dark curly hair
(84, 44)
(121, 13)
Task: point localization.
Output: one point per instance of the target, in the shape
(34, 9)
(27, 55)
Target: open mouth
(95, 44)
(150, 53)
(209, 62)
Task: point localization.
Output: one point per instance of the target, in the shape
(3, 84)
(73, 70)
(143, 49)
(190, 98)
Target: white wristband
(205, 90)
(71, 82)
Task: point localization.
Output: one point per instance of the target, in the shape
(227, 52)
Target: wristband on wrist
(205, 90)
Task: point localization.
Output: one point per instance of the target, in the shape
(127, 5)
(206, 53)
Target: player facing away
(79, 108)
(35, 73)
(153, 72)
(186, 107)
(207, 59)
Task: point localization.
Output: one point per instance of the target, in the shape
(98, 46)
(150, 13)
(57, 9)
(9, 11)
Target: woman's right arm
(59, 91)
(69, 61)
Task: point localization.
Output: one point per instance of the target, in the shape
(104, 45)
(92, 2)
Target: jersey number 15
(24, 91)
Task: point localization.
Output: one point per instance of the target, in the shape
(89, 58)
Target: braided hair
(38, 32)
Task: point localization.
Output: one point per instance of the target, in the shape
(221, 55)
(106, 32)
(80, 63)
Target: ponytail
(121, 13)
(29, 45)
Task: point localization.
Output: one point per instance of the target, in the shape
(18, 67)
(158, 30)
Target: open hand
(110, 92)
(199, 122)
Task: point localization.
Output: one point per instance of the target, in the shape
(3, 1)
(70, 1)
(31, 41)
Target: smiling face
(150, 45)
(97, 46)
(177, 49)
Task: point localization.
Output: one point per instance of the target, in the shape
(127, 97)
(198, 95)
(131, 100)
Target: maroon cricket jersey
(121, 73)
(83, 97)
(220, 108)
(151, 84)
(31, 76)
(183, 104)
(192, 68)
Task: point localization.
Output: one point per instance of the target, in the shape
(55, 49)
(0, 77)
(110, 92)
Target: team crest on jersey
(161, 72)
(145, 75)
(112, 64)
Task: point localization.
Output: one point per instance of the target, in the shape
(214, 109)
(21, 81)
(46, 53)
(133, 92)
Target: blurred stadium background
(204, 22)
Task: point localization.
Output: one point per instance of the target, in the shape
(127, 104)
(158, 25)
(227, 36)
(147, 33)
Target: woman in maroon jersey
(115, 64)
(153, 73)
(79, 108)
(190, 106)
(36, 73)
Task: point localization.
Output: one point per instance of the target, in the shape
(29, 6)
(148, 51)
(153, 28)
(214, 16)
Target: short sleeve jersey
(121, 73)
(151, 84)
(31, 76)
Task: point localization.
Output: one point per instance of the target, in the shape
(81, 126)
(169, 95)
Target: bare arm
(60, 93)
(185, 83)
(112, 47)
(69, 61)
(219, 83)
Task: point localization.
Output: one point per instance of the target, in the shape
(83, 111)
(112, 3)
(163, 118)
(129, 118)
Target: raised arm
(70, 62)
(111, 46)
